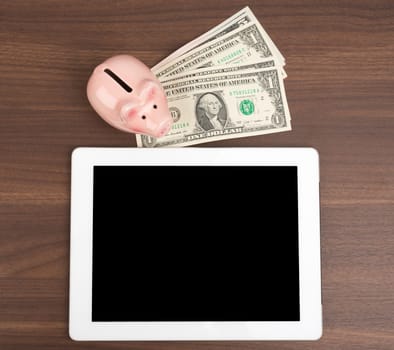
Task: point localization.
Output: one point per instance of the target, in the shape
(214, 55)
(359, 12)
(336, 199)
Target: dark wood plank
(340, 90)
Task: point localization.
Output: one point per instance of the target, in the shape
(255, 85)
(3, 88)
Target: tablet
(195, 244)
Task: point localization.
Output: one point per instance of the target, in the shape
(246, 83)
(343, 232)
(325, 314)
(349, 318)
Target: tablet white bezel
(81, 326)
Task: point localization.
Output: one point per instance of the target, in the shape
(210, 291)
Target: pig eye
(143, 117)
(154, 106)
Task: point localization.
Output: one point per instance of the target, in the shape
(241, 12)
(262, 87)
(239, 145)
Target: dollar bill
(232, 23)
(267, 63)
(243, 45)
(241, 18)
(214, 107)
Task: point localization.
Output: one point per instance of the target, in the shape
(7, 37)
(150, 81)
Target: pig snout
(157, 127)
(142, 120)
(164, 128)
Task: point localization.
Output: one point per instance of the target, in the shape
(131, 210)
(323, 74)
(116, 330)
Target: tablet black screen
(195, 243)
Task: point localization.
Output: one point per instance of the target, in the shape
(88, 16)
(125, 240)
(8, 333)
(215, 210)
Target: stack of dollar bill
(227, 83)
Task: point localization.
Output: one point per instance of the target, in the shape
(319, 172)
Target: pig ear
(149, 90)
(130, 111)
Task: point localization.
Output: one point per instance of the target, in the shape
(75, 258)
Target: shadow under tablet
(219, 243)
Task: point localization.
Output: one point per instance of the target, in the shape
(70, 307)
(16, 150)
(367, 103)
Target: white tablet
(195, 244)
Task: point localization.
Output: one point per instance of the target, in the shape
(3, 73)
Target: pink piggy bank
(127, 95)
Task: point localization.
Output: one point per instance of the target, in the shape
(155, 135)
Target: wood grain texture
(340, 87)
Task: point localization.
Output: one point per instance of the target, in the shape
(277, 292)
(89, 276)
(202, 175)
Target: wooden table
(340, 87)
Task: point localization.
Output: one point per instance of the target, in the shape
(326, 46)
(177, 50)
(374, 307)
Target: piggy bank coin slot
(121, 82)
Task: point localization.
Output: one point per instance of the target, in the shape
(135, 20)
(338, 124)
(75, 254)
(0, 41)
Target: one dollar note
(221, 106)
